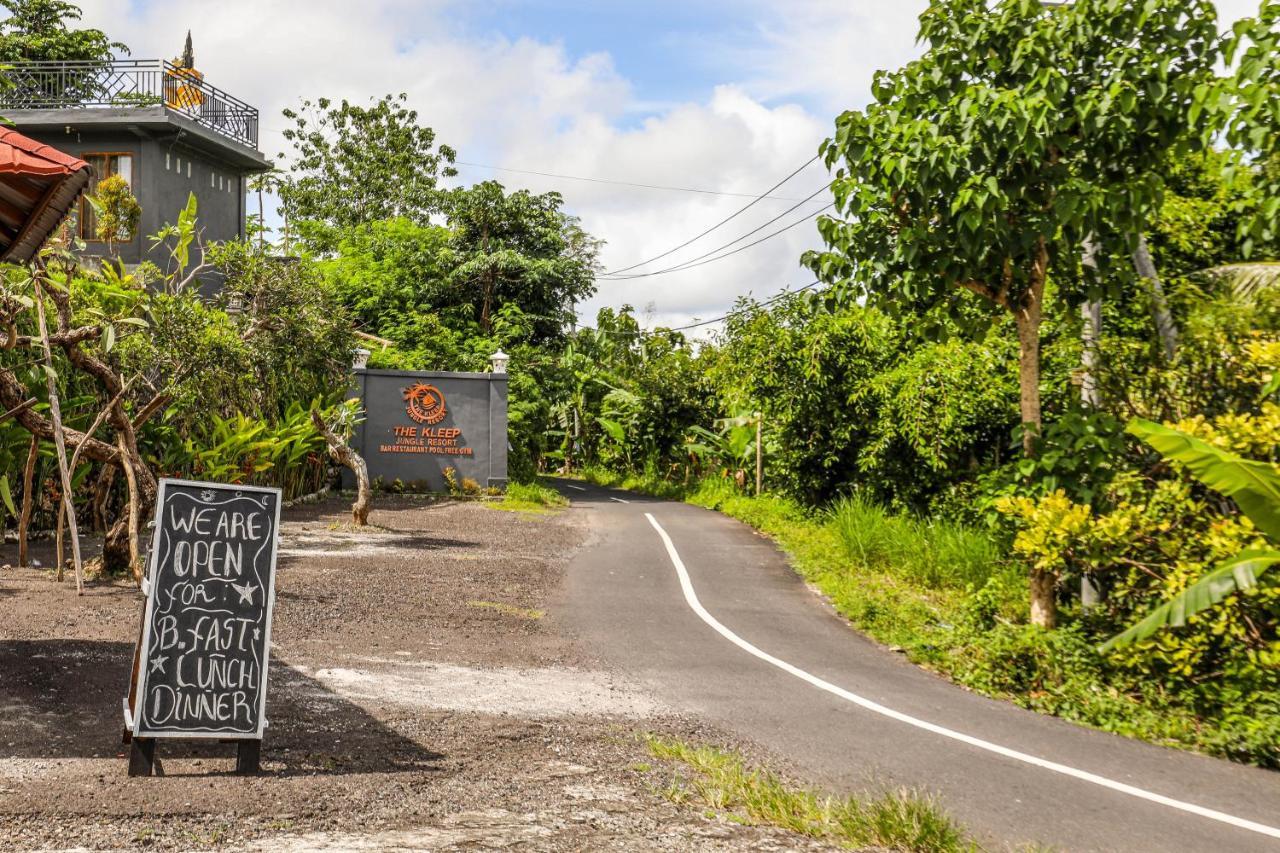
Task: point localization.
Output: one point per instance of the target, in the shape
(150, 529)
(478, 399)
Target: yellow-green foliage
(1256, 436)
(1057, 534)
(901, 820)
(117, 211)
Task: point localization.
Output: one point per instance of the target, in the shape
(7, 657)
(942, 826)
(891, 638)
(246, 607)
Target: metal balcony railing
(127, 83)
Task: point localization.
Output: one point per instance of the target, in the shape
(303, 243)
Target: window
(104, 166)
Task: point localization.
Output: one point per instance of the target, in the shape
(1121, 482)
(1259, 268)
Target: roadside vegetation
(723, 782)
(531, 498)
(1024, 426)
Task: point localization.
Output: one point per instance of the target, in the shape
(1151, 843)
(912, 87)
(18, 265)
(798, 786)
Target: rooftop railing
(127, 83)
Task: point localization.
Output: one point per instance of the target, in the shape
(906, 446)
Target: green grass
(532, 498)
(933, 554)
(722, 781)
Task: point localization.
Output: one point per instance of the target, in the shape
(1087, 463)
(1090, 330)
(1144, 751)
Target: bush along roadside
(943, 594)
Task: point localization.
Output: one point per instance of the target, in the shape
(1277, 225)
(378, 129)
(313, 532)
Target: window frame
(134, 163)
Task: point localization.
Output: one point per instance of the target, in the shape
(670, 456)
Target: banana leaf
(1238, 574)
(1254, 486)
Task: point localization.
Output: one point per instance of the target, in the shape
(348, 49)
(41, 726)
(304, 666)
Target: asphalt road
(785, 671)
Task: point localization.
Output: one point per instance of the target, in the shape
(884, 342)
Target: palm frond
(1246, 280)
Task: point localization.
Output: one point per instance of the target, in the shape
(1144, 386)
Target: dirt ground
(421, 697)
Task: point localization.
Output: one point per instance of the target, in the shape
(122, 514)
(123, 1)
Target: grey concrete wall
(397, 447)
(164, 172)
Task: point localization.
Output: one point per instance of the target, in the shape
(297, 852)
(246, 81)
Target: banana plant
(1253, 485)
(732, 447)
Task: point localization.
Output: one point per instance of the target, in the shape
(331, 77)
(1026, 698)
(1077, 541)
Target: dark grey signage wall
(406, 436)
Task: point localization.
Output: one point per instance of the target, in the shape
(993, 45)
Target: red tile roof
(38, 186)
(25, 156)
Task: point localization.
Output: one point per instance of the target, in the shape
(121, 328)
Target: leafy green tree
(38, 30)
(519, 248)
(389, 270)
(1253, 117)
(982, 167)
(351, 165)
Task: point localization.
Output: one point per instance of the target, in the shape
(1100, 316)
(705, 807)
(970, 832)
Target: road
(746, 644)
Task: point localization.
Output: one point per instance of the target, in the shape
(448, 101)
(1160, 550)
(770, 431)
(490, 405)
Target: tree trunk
(1165, 326)
(101, 495)
(135, 564)
(1044, 605)
(59, 440)
(28, 501)
(345, 455)
(1027, 318)
(1090, 332)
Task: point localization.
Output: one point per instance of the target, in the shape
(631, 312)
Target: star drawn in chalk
(245, 591)
(257, 634)
(157, 665)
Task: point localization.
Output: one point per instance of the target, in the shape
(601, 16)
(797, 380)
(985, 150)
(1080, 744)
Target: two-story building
(157, 124)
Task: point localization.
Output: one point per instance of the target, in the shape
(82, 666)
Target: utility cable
(724, 221)
(757, 305)
(622, 183)
(707, 258)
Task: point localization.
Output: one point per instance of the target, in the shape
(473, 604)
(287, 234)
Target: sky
(713, 95)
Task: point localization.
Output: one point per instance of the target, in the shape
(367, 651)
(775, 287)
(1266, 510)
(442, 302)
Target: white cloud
(528, 104)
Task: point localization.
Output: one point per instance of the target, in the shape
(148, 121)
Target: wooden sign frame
(144, 741)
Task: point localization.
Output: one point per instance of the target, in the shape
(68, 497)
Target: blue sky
(665, 49)
(711, 94)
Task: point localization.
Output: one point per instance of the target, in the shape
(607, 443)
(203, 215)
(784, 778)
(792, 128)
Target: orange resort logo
(425, 406)
(425, 403)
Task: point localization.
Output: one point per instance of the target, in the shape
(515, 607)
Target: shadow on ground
(61, 699)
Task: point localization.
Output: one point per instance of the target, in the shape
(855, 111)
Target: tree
(982, 167)
(1253, 113)
(36, 30)
(353, 165)
(151, 350)
(519, 248)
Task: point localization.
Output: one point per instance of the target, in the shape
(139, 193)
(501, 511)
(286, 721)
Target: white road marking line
(576, 488)
(691, 598)
(621, 501)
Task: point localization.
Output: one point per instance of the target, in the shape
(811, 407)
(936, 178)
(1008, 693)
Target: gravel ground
(421, 698)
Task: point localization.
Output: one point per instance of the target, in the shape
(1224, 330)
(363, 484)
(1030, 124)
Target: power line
(765, 304)
(772, 301)
(731, 216)
(624, 183)
(699, 260)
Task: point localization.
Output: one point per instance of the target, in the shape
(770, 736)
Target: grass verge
(532, 498)
(720, 780)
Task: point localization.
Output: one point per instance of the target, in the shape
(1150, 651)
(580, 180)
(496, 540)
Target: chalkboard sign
(206, 634)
